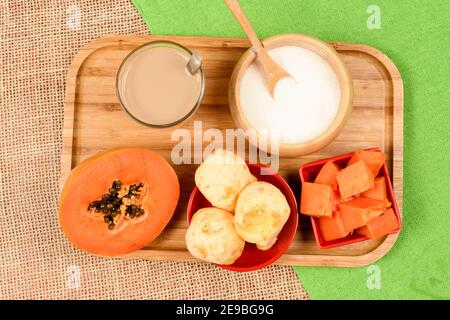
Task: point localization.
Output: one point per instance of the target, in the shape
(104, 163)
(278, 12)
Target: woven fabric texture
(38, 39)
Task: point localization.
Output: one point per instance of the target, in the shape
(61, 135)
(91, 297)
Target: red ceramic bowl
(308, 173)
(252, 258)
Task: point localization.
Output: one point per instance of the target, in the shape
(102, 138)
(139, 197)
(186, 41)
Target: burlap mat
(37, 42)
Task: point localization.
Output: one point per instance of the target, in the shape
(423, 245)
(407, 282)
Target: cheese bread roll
(221, 177)
(261, 212)
(211, 237)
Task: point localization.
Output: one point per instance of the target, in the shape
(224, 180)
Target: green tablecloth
(416, 36)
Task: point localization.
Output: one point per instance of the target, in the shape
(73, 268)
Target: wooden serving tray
(94, 121)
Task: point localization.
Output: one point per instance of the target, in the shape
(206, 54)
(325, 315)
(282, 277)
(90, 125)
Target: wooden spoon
(272, 70)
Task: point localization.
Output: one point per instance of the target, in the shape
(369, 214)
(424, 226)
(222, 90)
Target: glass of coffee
(155, 86)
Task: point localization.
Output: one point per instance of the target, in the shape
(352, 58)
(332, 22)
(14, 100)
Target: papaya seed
(118, 200)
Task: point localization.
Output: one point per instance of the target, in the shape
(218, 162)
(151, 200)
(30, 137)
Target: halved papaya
(118, 201)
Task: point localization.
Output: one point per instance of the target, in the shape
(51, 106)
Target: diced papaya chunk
(359, 211)
(353, 217)
(354, 179)
(380, 226)
(337, 200)
(316, 199)
(378, 191)
(327, 175)
(373, 159)
(333, 227)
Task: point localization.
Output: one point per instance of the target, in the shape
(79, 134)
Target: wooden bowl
(330, 55)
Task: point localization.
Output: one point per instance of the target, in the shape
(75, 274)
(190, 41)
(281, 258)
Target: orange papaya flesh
(354, 179)
(316, 199)
(84, 222)
(337, 200)
(378, 192)
(327, 175)
(359, 211)
(373, 159)
(380, 226)
(332, 228)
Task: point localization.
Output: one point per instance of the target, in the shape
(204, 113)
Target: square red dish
(308, 173)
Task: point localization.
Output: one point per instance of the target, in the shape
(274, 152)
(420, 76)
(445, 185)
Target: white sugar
(304, 106)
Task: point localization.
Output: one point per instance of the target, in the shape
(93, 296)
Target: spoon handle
(194, 63)
(235, 8)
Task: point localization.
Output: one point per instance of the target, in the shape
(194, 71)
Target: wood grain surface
(95, 121)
